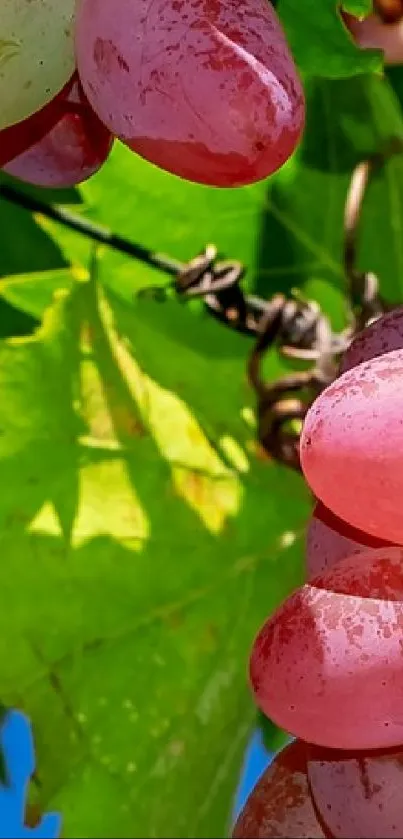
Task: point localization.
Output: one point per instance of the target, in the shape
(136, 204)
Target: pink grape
(330, 539)
(372, 33)
(358, 793)
(67, 151)
(280, 804)
(352, 446)
(328, 665)
(206, 89)
(382, 336)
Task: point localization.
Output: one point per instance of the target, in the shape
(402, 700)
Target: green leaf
(32, 293)
(358, 7)
(146, 537)
(302, 235)
(320, 42)
(124, 538)
(274, 739)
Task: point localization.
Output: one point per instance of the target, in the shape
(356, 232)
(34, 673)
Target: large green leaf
(133, 521)
(143, 537)
(136, 569)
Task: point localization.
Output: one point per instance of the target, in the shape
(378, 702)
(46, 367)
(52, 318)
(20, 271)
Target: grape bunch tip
(205, 90)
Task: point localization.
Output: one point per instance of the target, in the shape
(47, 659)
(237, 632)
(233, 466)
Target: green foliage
(144, 538)
(124, 536)
(320, 41)
(138, 557)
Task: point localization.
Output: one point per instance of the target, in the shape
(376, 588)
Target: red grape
(328, 665)
(382, 336)
(67, 150)
(352, 446)
(280, 804)
(330, 539)
(19, 137)
(206, 89)
(358, 793)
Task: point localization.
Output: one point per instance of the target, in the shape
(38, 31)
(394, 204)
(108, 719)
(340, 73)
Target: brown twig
(363, 286)
(365, 300)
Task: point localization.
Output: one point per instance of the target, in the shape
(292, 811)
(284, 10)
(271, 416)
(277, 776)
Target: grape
(352, 446)
(17, 138)
(389, 11)
(73, 148)
(328, 665)
(330, 539)
(382, 336)
(280, 804)
(358, 793)
(204, 89)
(36, 55)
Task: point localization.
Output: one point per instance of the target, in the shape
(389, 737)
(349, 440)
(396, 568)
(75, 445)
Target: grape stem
(217, 283)
(365, 300)
(98, 234)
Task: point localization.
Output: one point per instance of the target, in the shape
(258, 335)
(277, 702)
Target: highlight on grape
(206, 90)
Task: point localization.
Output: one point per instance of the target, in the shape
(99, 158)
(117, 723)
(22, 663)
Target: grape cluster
(206, 89)
(328, 665)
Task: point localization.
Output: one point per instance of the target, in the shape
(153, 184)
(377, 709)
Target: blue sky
(18, 749)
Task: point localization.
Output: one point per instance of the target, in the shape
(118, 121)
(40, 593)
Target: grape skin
(352, 443)
(382, 336)
(75, 146)
(358, 794)
(327, 666)
(202, 88)
(17, 138)
(36, 55)
(329, 539)
(280, 804)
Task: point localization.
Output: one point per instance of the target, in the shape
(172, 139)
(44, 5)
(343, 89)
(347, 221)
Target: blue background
(17, 747)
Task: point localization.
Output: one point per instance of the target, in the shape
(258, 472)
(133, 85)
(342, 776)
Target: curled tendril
(303, 332)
